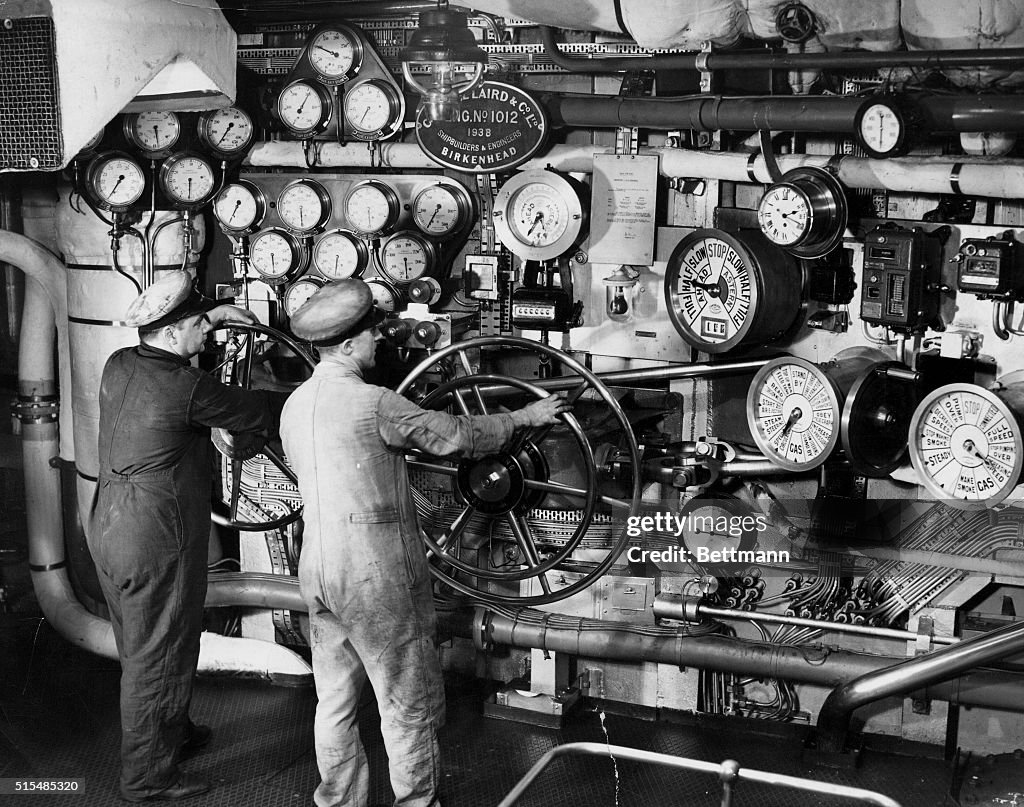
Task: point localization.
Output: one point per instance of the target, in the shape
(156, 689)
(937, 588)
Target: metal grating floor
(59, 718)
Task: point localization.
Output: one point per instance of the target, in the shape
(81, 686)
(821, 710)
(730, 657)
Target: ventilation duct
(68, 66)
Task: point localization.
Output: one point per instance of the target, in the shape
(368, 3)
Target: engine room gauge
(335, 53)
(724, 290)
(304, 206)
(226, 132)
(115, 181)
(407, 256)
(239, 208)
(966, 443)
(793, 413)
(91, 145)
(804, 212)
(881, 129)
(305, 108)
(276, 255)
(373, 110)
(441, 209)
(385, 296)
(371, 207)
(539, 215)
(299, 292)
(339, 254)
(187, 180)
(153, 133)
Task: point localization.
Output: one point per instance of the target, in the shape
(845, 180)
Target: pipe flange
(36, 409)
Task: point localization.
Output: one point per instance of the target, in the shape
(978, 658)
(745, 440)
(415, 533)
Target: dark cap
(336, 312)
(168, 300)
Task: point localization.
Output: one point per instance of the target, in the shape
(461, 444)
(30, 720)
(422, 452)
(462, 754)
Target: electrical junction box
(900, 287)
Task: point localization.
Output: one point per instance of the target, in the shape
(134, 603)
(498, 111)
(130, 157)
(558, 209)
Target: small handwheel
(244, 353)
(503, 488)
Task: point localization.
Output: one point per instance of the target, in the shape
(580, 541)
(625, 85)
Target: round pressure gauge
(441, 209)
(115, 181)
(340, 254)
(371, 207)
(187, 180)
(276, 255)
(407, 256)
(373, 110)
(793, 412)
(304, 108)
(539, 215)
(304, 206)
(385, 296)
(804, 212)
(966, 443)
(299, 292)
(724, 290)
(713, 527)
(153, 133)
(334, 52)
(881, 128)
(226, 132)
(91, 145)
(239, 208)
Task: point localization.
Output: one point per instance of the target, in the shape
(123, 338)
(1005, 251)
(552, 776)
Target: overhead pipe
(317, 10)
(910, 675)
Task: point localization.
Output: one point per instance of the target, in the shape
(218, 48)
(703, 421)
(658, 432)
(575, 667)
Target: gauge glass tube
(227, 131)
(116, 181)
(187, 179)
(370, 107)
(439, 210)
(304, 108)
(299, 292)
(339, 255)
(274, 254)
(153, 132)
(304, 206)
(406, 257)
(371, 207)
(239, 207)
(333, 53)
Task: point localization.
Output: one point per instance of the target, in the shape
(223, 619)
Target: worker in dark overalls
(151, 524)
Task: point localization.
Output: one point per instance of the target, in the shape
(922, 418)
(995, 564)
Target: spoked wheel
(500, 492)
(244, 355)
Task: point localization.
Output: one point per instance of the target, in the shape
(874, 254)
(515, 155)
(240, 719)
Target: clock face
(785, 215)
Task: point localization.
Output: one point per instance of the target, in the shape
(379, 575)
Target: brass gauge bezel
(444, 218)
(322, 201)
(95, 180)
(426, 249)
(166, 179)
(385, 193)
(296, 256)
(393, 109)
(309, 126)
(359, 248)
(214, 127)
(326, 69)
(137, 134)
(259, 204)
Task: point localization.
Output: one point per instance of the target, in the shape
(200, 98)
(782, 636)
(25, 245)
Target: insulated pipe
(909, 675)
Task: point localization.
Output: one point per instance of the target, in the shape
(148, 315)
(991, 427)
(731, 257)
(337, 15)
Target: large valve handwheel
(243, 354)
(504, 487)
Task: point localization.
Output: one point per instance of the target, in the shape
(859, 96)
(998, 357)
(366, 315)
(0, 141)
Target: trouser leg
(339, 677)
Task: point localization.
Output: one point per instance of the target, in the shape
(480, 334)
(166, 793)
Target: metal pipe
(909, 675)
(971, 113)
(318, 10)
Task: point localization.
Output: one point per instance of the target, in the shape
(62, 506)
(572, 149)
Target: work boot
(188, 785)
(197, 738)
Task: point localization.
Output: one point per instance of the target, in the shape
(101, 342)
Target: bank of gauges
(540, 215)
(798, 411)
(804, 212)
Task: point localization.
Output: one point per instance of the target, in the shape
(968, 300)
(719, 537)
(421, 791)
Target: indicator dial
(385, 296)
(187, 180)
(441, 209)
(881, 129)
(226, 132)
(239, 208)
(299, 292)
(793, 413)
(966, 443)
(785, 214)
(153, 133)
(339, 254)
(304, 108)
(539, 215)
(805, 212)
(304, 206)
(371, 207)
(334, 54)
(115, 181)
(406, 256)
(275, 254)
(373, 110)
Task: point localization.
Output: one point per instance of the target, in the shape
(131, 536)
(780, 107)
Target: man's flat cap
(168, 300)
(337, 311)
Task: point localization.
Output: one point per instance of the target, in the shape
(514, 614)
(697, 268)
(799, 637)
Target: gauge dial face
(239, 208)
(538, 215)
(385, 296)
(299, 292)
(187, 180)
(304, 206)
(881, 129)
(967, 445)
(333, 53)
(339, 255)
(153, 133)
(227, 131)
(371, 207)
(406, 257)
(785, 214)
(116, 181)
(274, 254)
(439, 210)
(793, 413)
(304, 108)
(370, 109)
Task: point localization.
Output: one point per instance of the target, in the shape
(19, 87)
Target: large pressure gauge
(276, 255)
(335, 53)
(339, 254)
(304, 206)
(725, 290)
(374, 110)
(804, 212)
(385, 296)
(305, 108)
(881, 128)
(441, 209)
(239, 208)
(299, 292)
(539, 215)
(153, 133)
(187, 180)
(226, 132)
(371, 207)
(966, 443)
(114, 181)
(407, 256)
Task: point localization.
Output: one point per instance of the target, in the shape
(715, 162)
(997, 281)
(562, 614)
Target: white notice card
(622, 207)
